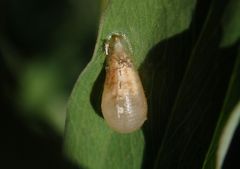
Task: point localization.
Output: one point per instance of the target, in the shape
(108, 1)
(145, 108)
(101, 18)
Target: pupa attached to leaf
(124, 104)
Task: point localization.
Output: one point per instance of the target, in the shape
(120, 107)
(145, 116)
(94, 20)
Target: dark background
(44, 45)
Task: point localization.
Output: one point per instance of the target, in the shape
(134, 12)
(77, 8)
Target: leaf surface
(88, 140)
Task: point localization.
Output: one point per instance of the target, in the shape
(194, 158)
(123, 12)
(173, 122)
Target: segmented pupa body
(124, 104)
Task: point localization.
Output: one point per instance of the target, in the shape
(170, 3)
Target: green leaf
(229, 117)
(231, 24)
(227, 124)
(88, 141)
(197, 104)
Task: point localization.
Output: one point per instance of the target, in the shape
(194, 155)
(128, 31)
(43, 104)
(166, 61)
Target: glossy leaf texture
(230, 114)
(88, 140)
(197, 104)
(227, 124)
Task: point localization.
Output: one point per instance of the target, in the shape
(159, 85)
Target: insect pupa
(124, 104)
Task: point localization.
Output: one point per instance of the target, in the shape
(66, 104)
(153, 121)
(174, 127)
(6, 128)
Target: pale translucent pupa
(124, 104)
